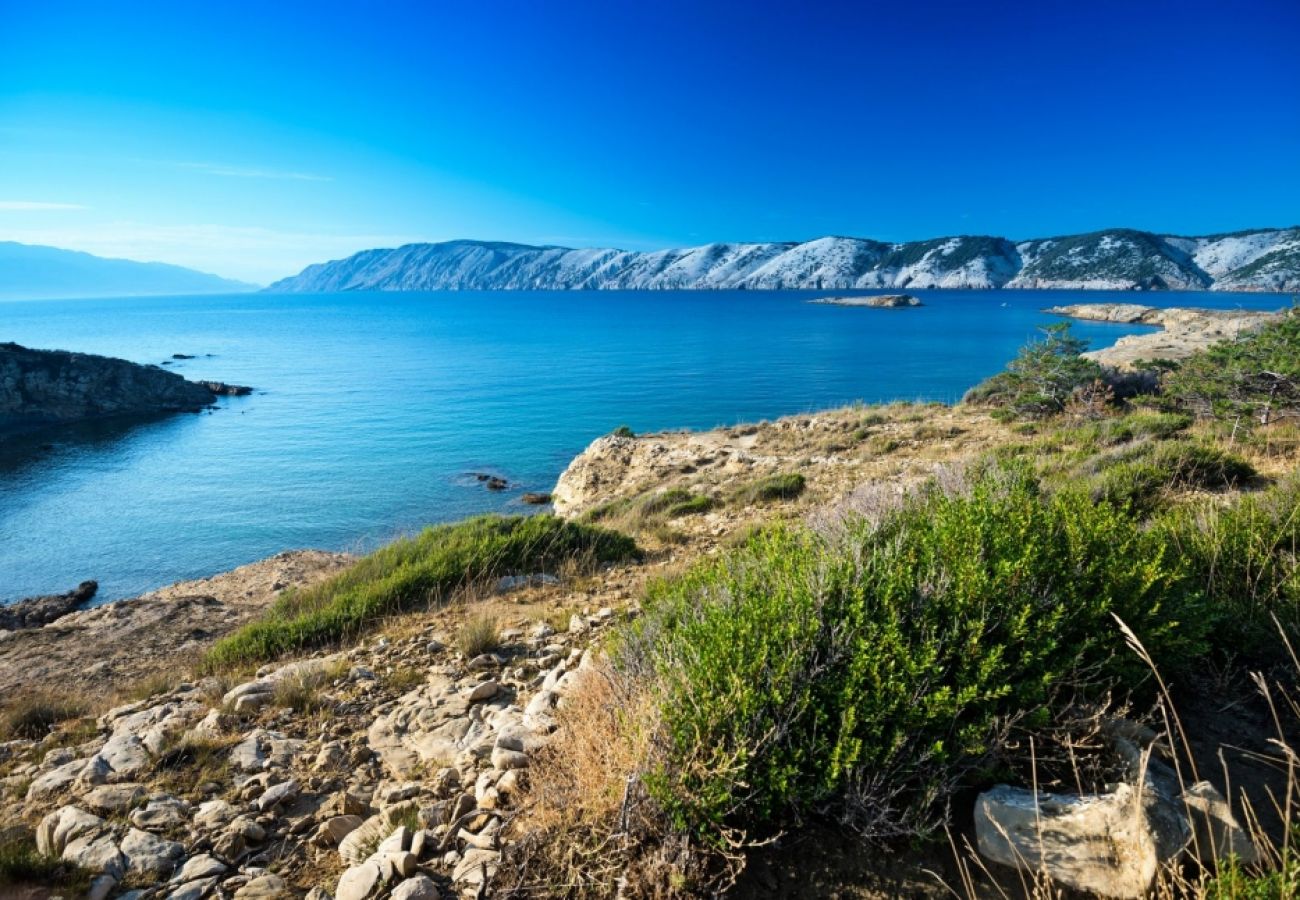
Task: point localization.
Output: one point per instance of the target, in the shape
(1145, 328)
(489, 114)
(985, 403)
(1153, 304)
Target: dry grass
(33, 716)
(479, 634)
(586, 826)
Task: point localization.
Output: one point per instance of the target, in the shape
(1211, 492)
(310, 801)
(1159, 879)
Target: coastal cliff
(55, 387)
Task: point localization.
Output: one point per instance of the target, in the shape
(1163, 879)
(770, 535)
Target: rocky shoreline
(1184, 330)
(44, 388)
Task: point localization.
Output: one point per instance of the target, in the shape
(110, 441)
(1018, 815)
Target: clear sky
(252, 138)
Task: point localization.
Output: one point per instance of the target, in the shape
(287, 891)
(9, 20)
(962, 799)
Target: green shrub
(780, 486)
(1133, 426)
(414, 572)
(647, 515)
(1042, 378)
(1255, 379)
(624, 432)
(866, 670)
(1138, 476)
(1247, 558)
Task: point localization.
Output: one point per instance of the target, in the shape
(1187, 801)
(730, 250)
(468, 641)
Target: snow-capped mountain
(1117, 259)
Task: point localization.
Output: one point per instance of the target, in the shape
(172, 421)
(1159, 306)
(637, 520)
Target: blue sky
(250, 139)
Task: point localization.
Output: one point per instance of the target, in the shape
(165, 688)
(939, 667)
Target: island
(876, 301)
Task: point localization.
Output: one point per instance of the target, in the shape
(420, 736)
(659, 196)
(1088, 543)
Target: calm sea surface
(372, 408)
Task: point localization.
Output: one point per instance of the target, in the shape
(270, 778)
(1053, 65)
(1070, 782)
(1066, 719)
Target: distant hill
(1116, 259)
(33, 272)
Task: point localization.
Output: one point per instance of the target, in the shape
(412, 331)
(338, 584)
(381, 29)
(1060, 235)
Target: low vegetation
(416, 573)
(480, 634)
(32, 716)
(770, 488)
(21, 866)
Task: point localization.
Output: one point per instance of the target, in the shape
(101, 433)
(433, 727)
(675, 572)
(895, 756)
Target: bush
(781, 486)
(867, 671)
(624, 432)
(1255, 379)
(1042, 379)
(1139, 476)
(410, 573)
(1134, 426)
(1246, 556)
(636, 511)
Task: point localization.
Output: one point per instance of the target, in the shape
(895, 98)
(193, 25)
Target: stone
(277, 794)
(474, 865)
(96, 852)
(193, 890)
(56, 780)
(65, 824)
(504, 759)
(101, 887)
(358, 882)
(264, 887)
(404, 862)
(113, 798)
(483, 691)
(357, 845)
(421, 887)
(1217, 834)
(336, 828)
(200, 867)
(162, 813)
(1100, 842)
(148, 853)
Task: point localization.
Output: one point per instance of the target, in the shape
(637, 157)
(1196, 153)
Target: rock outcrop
(55, 387)
(37, 611)
(1184, 330)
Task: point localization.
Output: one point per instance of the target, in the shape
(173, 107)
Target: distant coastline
(1262, 260)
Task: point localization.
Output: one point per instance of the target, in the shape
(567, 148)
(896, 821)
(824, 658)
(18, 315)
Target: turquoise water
(372, 408)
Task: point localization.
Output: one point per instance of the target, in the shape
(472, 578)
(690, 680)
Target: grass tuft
(480, 634)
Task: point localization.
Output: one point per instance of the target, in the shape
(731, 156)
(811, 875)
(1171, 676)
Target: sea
(374, 411)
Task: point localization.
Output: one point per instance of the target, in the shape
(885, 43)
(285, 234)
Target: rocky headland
(1184, 330)
(41, 388)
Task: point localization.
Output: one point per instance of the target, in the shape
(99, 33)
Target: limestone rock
(359, 882)
(1098, 843)
(1218, 834)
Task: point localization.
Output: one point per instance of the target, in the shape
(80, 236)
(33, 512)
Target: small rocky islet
(875, 301)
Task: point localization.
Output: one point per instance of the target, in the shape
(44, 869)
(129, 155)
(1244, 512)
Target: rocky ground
(100, 652)
(1183, 332)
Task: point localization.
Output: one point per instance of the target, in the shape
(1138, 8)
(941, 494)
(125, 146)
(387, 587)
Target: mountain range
(1115, 259)
(33, 272)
